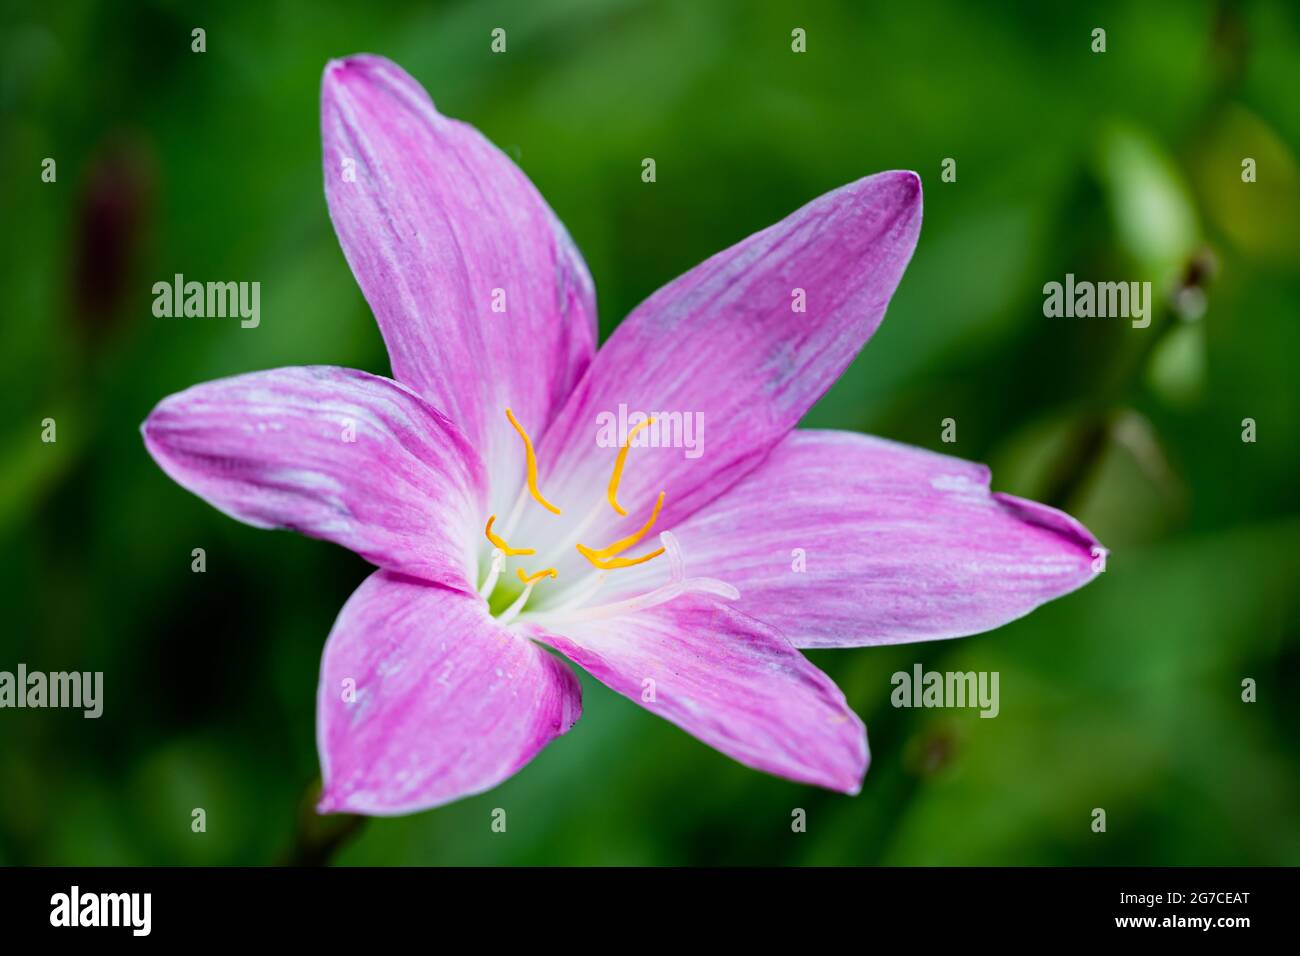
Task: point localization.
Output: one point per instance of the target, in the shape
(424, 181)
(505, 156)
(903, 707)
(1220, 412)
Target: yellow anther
(530, 578)
(619, 462)
(622, 544)
(532, 465)
(611, 564)
(500, 542)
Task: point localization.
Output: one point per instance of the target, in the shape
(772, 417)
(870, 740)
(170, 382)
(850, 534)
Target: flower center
(506, 600)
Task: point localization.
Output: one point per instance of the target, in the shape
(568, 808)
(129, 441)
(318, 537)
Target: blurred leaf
(1177, 370)
(1154, 215)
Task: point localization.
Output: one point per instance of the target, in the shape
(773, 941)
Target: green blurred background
(1122, 165)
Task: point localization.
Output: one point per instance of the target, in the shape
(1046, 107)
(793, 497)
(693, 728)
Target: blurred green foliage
(1122, 165)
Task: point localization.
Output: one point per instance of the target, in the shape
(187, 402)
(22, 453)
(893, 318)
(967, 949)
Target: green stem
(317, 838)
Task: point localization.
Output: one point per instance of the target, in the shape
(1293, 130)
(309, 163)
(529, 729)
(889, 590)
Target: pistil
(605, 559)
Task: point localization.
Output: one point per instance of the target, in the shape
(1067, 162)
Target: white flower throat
(508, 601)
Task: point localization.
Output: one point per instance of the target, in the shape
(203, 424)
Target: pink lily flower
(476, 482)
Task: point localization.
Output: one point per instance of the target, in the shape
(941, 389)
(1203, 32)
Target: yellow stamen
(532, 465)
(530, 578)
(610, 564)
(618, 467)
(622, 544)
(500, 542)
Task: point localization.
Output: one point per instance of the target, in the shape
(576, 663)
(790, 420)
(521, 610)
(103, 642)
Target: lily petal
(333, 453)
(725, 343)
(440, 227)
(727, 679)
(898, 544)
(424, 699)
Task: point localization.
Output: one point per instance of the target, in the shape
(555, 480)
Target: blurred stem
(1081, 456)
(318, 837)
(1088, 439)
